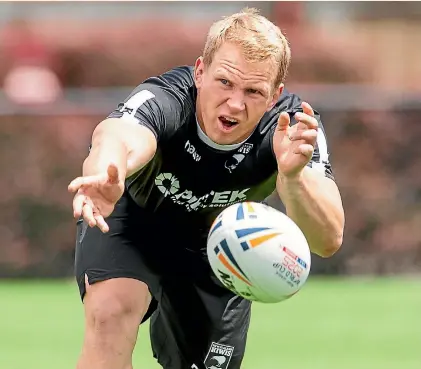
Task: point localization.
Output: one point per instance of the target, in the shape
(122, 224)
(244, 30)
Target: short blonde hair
(259, 38)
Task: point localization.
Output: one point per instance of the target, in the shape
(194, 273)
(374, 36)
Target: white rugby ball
(258, 252)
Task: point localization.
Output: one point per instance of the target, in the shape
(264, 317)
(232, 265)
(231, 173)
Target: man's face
(233, 94)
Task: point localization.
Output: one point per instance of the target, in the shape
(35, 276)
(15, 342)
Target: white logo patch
(219, 356)
(238, 157)
(192, 150)
(169, 185)
(245, 149)
(130, 107)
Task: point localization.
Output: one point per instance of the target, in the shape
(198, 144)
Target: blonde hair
(259, 38)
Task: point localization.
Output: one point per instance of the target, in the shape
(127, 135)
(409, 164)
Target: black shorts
(195, 321)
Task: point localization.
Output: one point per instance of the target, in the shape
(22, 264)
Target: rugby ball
(258, 252)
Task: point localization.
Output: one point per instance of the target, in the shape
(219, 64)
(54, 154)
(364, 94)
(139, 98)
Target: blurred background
(65, 65)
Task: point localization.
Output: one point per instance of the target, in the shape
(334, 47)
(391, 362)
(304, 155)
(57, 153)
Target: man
(182, 147)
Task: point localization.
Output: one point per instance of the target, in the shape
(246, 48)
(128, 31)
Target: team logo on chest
(232, 163)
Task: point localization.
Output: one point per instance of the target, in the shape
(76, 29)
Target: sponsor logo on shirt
(169, 185)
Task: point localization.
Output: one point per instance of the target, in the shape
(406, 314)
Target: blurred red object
(31, 78)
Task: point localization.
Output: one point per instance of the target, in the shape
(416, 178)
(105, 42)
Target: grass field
(330, 324)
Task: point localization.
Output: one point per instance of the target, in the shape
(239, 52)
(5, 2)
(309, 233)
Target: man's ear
(199, 68)
(275, 96)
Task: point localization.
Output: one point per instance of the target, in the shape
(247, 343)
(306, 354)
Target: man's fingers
(112, 172)
(74, 185)
(111, 177)
(82, 205)
(101, 223)
(283, 121)
(78, 202)
(306, 119)
(88, 215)
(305, 149)
(77, 183)
(309, 135)
(307, 108)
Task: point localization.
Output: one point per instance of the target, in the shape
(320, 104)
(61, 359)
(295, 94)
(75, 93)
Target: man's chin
(221, 138)
(224, 136)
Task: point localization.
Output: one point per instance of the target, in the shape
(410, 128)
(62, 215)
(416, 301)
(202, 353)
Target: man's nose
(236, 102)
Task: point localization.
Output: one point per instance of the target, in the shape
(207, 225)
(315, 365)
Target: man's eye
(224, 82)
(253, 91)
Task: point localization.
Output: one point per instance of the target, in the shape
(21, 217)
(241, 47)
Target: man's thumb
(112, 172)
(283, 121)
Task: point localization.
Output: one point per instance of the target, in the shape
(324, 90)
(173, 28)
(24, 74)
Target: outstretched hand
(294, 145)
(96, 196)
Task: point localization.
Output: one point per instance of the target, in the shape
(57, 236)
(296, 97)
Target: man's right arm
(121, 145)
(129, 136)
(128, 145)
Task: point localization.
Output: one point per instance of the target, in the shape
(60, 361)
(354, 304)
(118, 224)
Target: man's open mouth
(227, 122)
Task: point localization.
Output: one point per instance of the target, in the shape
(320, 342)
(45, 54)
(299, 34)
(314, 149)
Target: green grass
(330, 324)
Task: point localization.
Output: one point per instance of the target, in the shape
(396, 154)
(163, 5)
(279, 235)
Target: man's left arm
(305, 182)
(313, 201)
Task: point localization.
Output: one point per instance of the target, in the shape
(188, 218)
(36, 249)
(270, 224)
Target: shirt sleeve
(157, 108)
